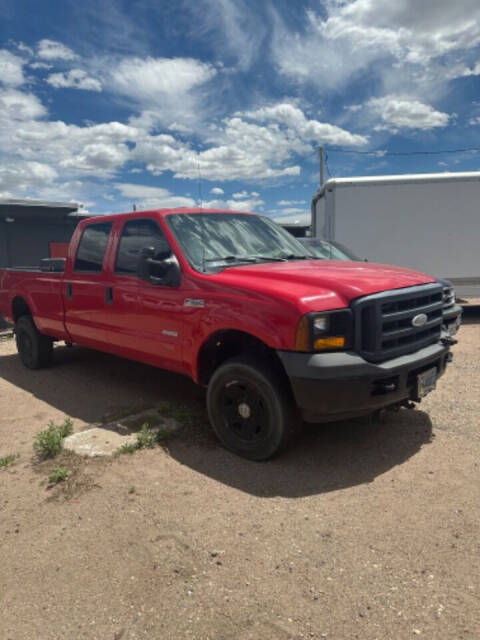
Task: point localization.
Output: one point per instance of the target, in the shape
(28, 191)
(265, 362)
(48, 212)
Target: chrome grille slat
(383, 328)
(399, 333)
(400, 315)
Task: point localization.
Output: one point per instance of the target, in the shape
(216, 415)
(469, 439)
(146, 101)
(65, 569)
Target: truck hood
(317, 285)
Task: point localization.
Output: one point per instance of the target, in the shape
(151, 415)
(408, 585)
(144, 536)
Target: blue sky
(225, 102)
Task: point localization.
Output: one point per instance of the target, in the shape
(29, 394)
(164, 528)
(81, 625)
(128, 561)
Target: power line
(381, 154)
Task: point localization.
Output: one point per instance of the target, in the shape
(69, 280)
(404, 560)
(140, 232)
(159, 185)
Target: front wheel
(35, 349)
(250, 408)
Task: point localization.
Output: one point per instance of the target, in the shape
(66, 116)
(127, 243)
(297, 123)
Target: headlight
(329, 331)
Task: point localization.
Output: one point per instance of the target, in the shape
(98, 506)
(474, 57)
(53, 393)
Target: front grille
(383, 321)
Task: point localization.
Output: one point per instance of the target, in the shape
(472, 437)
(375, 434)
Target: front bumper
(336, 386)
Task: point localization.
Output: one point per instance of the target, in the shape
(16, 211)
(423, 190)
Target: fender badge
(192, 302)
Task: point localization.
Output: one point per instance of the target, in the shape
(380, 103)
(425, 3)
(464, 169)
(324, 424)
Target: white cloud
(11, 69)
(241, 195)
(405, 44)
(40, 65)
(16, 106)
(149, 79)
(402, 112)
(247, 204)
(254, 145)
(217, 191)
(231, 27)
(243, 151)
(474, 121)
(20, 176)
(289, 203)
(295, 120)
(147, 197)
(75, 79)
(54, 50)
(21, 46)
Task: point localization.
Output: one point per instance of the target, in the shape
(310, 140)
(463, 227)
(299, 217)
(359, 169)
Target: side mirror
(164, 271)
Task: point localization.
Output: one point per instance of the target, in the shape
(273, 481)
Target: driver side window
(136, 235)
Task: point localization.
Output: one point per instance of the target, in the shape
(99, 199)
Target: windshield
(328, 251)
(217, 240)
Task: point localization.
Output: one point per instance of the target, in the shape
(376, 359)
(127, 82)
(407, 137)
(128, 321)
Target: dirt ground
(368, 531)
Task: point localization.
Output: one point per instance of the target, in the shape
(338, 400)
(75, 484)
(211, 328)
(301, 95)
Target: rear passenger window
(136, 235)
(92, 247)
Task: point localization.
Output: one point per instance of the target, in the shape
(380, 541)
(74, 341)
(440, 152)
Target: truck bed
(41, 291)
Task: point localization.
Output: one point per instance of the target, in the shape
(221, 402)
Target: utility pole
(321, 160)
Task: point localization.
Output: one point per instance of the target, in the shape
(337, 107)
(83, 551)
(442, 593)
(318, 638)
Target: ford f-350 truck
(236, 303)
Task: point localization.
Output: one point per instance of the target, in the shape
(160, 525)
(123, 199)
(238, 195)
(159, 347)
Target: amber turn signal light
(335, 342)
(302, 339)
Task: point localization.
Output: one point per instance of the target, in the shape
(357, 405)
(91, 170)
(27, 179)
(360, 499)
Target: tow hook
(447, 341)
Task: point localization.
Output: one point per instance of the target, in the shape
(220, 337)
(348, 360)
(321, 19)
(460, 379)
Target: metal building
(34, 229)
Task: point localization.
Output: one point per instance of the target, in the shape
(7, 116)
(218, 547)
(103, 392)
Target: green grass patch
(128, 447)
(146, 438)
(49, 442)
(6, 461)
(59, 474)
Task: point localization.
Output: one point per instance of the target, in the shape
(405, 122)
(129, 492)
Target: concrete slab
(106, 439)
(97, 442)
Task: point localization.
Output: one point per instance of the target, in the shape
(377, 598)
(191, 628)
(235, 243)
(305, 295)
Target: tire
(35, 349)
(250, 408)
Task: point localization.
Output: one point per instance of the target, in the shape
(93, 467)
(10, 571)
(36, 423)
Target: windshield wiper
(271, 258)
(231, 259)
(293, 256)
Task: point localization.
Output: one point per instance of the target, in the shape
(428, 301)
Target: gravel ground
(367, 531)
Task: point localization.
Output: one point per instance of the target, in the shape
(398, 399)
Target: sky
(224, 103)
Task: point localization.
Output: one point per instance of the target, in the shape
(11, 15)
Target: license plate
(426, 382)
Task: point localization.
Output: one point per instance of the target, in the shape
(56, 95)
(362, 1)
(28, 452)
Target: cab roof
(162, 213)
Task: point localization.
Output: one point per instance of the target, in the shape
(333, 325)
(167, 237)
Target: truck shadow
(87, 385)
(322, 458)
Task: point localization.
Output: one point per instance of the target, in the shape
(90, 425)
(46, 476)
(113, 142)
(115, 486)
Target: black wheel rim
(245, 411)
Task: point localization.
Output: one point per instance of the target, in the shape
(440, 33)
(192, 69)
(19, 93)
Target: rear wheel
(35, 349)
(250, 408)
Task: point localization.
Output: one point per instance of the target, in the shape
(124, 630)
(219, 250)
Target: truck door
(151, 329)
(86, 315)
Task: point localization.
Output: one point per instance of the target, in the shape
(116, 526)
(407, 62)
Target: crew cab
(236, 303)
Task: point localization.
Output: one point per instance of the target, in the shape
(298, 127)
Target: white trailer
(428, 222)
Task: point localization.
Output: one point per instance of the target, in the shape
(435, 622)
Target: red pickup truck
(236, 303)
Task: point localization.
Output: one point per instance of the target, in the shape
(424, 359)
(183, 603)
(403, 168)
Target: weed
(132, 490)
(49, 442)
(148, 438)
(8, 460)
(59, 474)
(128, 447)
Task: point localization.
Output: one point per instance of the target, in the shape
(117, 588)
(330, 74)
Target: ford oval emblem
(420, 320)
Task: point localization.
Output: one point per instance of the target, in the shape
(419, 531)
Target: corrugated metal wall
(24, 243)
